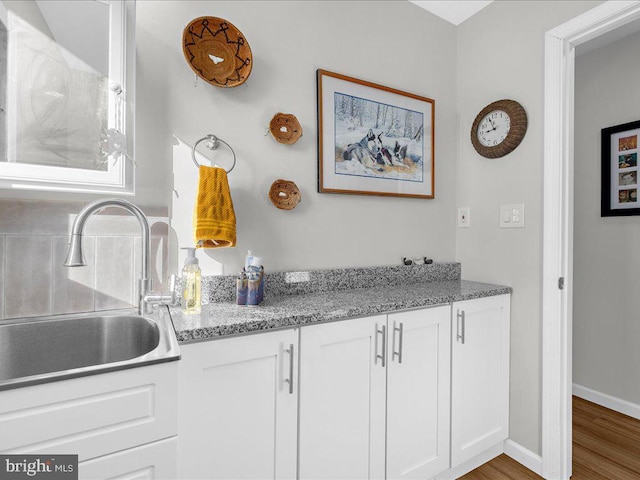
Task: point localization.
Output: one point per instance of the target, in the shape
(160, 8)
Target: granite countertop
(225, 319)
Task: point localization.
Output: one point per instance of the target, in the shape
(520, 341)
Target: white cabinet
(479, 376)
(91, 416)
(342, 400)
(374, 397)
(407, 395)
(238, 407)
(418, 393)
(153, 461)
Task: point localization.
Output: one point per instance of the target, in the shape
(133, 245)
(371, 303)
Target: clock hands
(493, 125)
(491, 129)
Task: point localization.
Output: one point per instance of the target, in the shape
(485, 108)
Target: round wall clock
(499, 128)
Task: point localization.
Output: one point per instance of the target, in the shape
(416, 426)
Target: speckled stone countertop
(225, 319)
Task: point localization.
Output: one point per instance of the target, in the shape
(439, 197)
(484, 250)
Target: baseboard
(523, 456)
(471, 464)
(608, 401)
(514, 450)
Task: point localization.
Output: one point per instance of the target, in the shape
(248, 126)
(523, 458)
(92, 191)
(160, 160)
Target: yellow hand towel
(214, 221)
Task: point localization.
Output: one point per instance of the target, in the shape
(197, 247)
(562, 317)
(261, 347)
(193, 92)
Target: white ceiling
(454, 11)
(457, 11)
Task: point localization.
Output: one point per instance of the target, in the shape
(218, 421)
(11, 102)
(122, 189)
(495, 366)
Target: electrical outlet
(464, 218)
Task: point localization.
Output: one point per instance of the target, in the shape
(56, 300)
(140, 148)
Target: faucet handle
(151, 299)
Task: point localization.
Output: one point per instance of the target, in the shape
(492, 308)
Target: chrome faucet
(75, 258)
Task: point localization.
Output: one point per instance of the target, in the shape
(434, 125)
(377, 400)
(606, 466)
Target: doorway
(557, 287)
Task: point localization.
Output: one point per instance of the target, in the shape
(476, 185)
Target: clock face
(493, 128)
(499, 128)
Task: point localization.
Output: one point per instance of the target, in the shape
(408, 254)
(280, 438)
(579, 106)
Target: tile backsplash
(34, 238)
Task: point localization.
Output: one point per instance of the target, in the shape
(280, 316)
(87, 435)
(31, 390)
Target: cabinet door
(342, 395)
(91, 416)
(418, 393)
(480, 376)
(238, 407)
(153, 461)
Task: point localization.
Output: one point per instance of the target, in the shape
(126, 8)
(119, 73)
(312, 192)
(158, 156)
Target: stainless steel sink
(39, 350)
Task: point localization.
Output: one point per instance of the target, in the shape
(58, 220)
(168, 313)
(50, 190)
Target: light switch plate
(464, 218)
(512, 215)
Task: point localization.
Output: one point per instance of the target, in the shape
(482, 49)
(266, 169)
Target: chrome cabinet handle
(400, 330)
(460, 320)
(290, 379)
(383, 332)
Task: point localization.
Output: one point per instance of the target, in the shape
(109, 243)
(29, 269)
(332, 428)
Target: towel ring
(212, 145)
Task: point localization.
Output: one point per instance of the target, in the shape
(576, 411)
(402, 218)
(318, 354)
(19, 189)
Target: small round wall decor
(285, 128)
(284, 194)
(217, 51)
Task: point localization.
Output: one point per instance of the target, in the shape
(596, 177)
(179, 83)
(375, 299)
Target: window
(67, 90)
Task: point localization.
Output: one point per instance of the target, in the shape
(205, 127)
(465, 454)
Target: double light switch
(512, 216)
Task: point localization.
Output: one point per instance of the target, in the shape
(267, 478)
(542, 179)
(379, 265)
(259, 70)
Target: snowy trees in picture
(377, 139)
(373, 139)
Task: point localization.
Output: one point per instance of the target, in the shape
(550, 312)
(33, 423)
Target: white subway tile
(114, 272)
(44, 217)
(2, 241)
(33, 242)
(137, 266)
(73, 287)
(27, 289)
(159, 254)
(34, 217)
(116, 222)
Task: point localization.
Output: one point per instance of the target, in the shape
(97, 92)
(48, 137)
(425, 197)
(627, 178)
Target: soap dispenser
(192, 283)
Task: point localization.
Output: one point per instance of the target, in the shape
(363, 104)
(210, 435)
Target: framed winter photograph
(373, 140)
(619, 192)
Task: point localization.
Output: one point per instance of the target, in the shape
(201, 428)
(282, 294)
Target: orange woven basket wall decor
(285, 128)
(217, 51)
(284, 194)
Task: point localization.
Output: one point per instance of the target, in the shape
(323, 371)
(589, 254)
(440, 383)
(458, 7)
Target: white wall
(387, 42)
(501, 55)
(606, 331)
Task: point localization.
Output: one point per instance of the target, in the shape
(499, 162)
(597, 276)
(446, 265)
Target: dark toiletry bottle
(241, 289)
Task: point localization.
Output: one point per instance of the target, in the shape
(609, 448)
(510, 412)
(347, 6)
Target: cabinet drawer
(91, 416)
(154, 461)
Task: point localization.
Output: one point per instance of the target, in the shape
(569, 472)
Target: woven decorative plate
(285, 128)
(284, 194)
(217, 51)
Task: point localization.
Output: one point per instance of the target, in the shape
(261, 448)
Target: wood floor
(606, 446)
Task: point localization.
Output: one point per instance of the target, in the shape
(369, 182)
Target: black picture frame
(620, 172)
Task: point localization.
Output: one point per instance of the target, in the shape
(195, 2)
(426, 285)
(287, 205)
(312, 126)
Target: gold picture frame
(374, 140)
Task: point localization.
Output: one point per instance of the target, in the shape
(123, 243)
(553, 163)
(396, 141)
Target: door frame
(557, 262)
